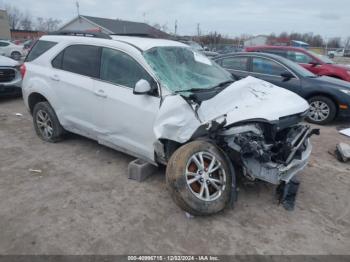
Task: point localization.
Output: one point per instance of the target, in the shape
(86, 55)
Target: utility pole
(77, 5)
(175, 27)
(199, 29)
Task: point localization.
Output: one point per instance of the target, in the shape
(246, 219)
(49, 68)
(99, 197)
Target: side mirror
(287, 76)
(142, 87)
(314, 63)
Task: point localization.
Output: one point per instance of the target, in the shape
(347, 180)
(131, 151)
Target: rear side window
(235, 63)
(80, 59)
(38, 49)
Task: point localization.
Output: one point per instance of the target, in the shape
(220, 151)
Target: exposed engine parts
(270, 154)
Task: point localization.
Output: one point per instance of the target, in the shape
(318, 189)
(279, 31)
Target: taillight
(23, 70)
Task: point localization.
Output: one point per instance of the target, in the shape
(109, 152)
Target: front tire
(46, 123)
(199, 178)
(322, 110)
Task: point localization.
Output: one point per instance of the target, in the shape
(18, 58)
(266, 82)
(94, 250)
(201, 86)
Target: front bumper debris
(272, 161)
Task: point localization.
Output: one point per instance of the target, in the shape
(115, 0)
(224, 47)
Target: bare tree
(26, 22)
(15, 16)
(47, 24)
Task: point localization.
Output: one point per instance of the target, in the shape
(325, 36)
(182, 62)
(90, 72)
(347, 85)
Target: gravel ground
(83, 203)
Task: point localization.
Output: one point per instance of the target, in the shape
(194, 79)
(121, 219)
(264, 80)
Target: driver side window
(120, 69)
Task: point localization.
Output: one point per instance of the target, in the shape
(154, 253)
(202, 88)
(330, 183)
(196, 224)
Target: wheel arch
(35, 98)
(335, 101)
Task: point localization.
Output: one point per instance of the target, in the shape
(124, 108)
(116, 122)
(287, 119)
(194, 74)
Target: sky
(228, 17)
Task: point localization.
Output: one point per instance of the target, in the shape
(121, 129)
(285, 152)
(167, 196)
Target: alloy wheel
(44, 124)
(319, 111)
(205, 176)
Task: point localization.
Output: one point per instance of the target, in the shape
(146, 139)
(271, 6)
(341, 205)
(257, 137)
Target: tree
(15, 16)
(26, 22)
(47, 24)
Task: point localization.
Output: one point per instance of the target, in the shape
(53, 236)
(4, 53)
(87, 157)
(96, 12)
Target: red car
(317, 64)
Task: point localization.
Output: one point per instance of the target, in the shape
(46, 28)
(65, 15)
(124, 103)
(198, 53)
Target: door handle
(55, 78)
(101, 93)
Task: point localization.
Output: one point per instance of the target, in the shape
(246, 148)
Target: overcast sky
(231, 17)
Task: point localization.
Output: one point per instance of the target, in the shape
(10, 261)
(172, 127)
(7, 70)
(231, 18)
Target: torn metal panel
(246, 99)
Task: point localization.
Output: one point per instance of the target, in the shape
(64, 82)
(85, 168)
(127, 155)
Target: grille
(7, 75)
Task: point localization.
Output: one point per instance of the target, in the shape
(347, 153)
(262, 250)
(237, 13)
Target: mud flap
(287, 193)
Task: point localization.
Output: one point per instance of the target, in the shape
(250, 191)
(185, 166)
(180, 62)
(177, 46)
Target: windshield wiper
(205, 89)
(224, 83)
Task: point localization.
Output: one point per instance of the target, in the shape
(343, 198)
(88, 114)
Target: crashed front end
(272, 152)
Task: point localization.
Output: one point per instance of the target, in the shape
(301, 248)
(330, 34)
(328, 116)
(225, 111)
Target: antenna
(78, 6)
(175, 27)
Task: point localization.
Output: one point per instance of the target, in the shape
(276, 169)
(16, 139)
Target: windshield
(323, 58)
(181, 69)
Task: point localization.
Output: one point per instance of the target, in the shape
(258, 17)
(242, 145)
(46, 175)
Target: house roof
(122, 27)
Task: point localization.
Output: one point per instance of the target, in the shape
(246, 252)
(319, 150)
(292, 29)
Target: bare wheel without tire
(46, 123)
(199, 178)
(322, 110)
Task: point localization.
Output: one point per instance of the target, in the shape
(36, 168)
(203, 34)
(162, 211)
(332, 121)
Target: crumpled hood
(249, 98)
(252, 98)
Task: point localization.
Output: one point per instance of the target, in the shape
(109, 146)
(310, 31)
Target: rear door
(72, 78)
(270, 70)
(124, 120)
(236, 65)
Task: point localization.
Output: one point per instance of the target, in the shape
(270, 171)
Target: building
(4, 25)
(113, 26)
(256, 41)
(301, 44)
(25, 34)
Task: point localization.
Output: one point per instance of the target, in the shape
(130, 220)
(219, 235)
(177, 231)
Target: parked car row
(9, 49)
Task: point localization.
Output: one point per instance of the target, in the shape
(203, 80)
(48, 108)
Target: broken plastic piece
(38, 171)
(345, 132)
(19, 114)
(287, 193)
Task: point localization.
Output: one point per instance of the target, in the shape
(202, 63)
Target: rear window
(79, 59)
(38, 49)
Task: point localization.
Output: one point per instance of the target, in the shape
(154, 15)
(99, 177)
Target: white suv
(165, 103)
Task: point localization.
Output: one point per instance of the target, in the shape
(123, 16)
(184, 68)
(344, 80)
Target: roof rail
(81, 33)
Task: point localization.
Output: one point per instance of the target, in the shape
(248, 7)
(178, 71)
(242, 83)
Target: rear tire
(211, 190)
(46, 123)
(322, 110)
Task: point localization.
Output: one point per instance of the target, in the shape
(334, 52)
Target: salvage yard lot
(83, 203)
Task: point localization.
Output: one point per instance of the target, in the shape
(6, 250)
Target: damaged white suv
(162, 102)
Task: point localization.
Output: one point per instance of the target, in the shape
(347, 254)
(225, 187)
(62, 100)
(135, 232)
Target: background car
(199, 48)
(10, 76)
(328, 97)
(11, 50)
(315, 63)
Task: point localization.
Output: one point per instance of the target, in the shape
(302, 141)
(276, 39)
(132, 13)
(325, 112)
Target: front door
(124, 120)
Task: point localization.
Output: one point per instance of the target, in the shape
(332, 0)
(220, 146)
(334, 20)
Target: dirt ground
(83, 203)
